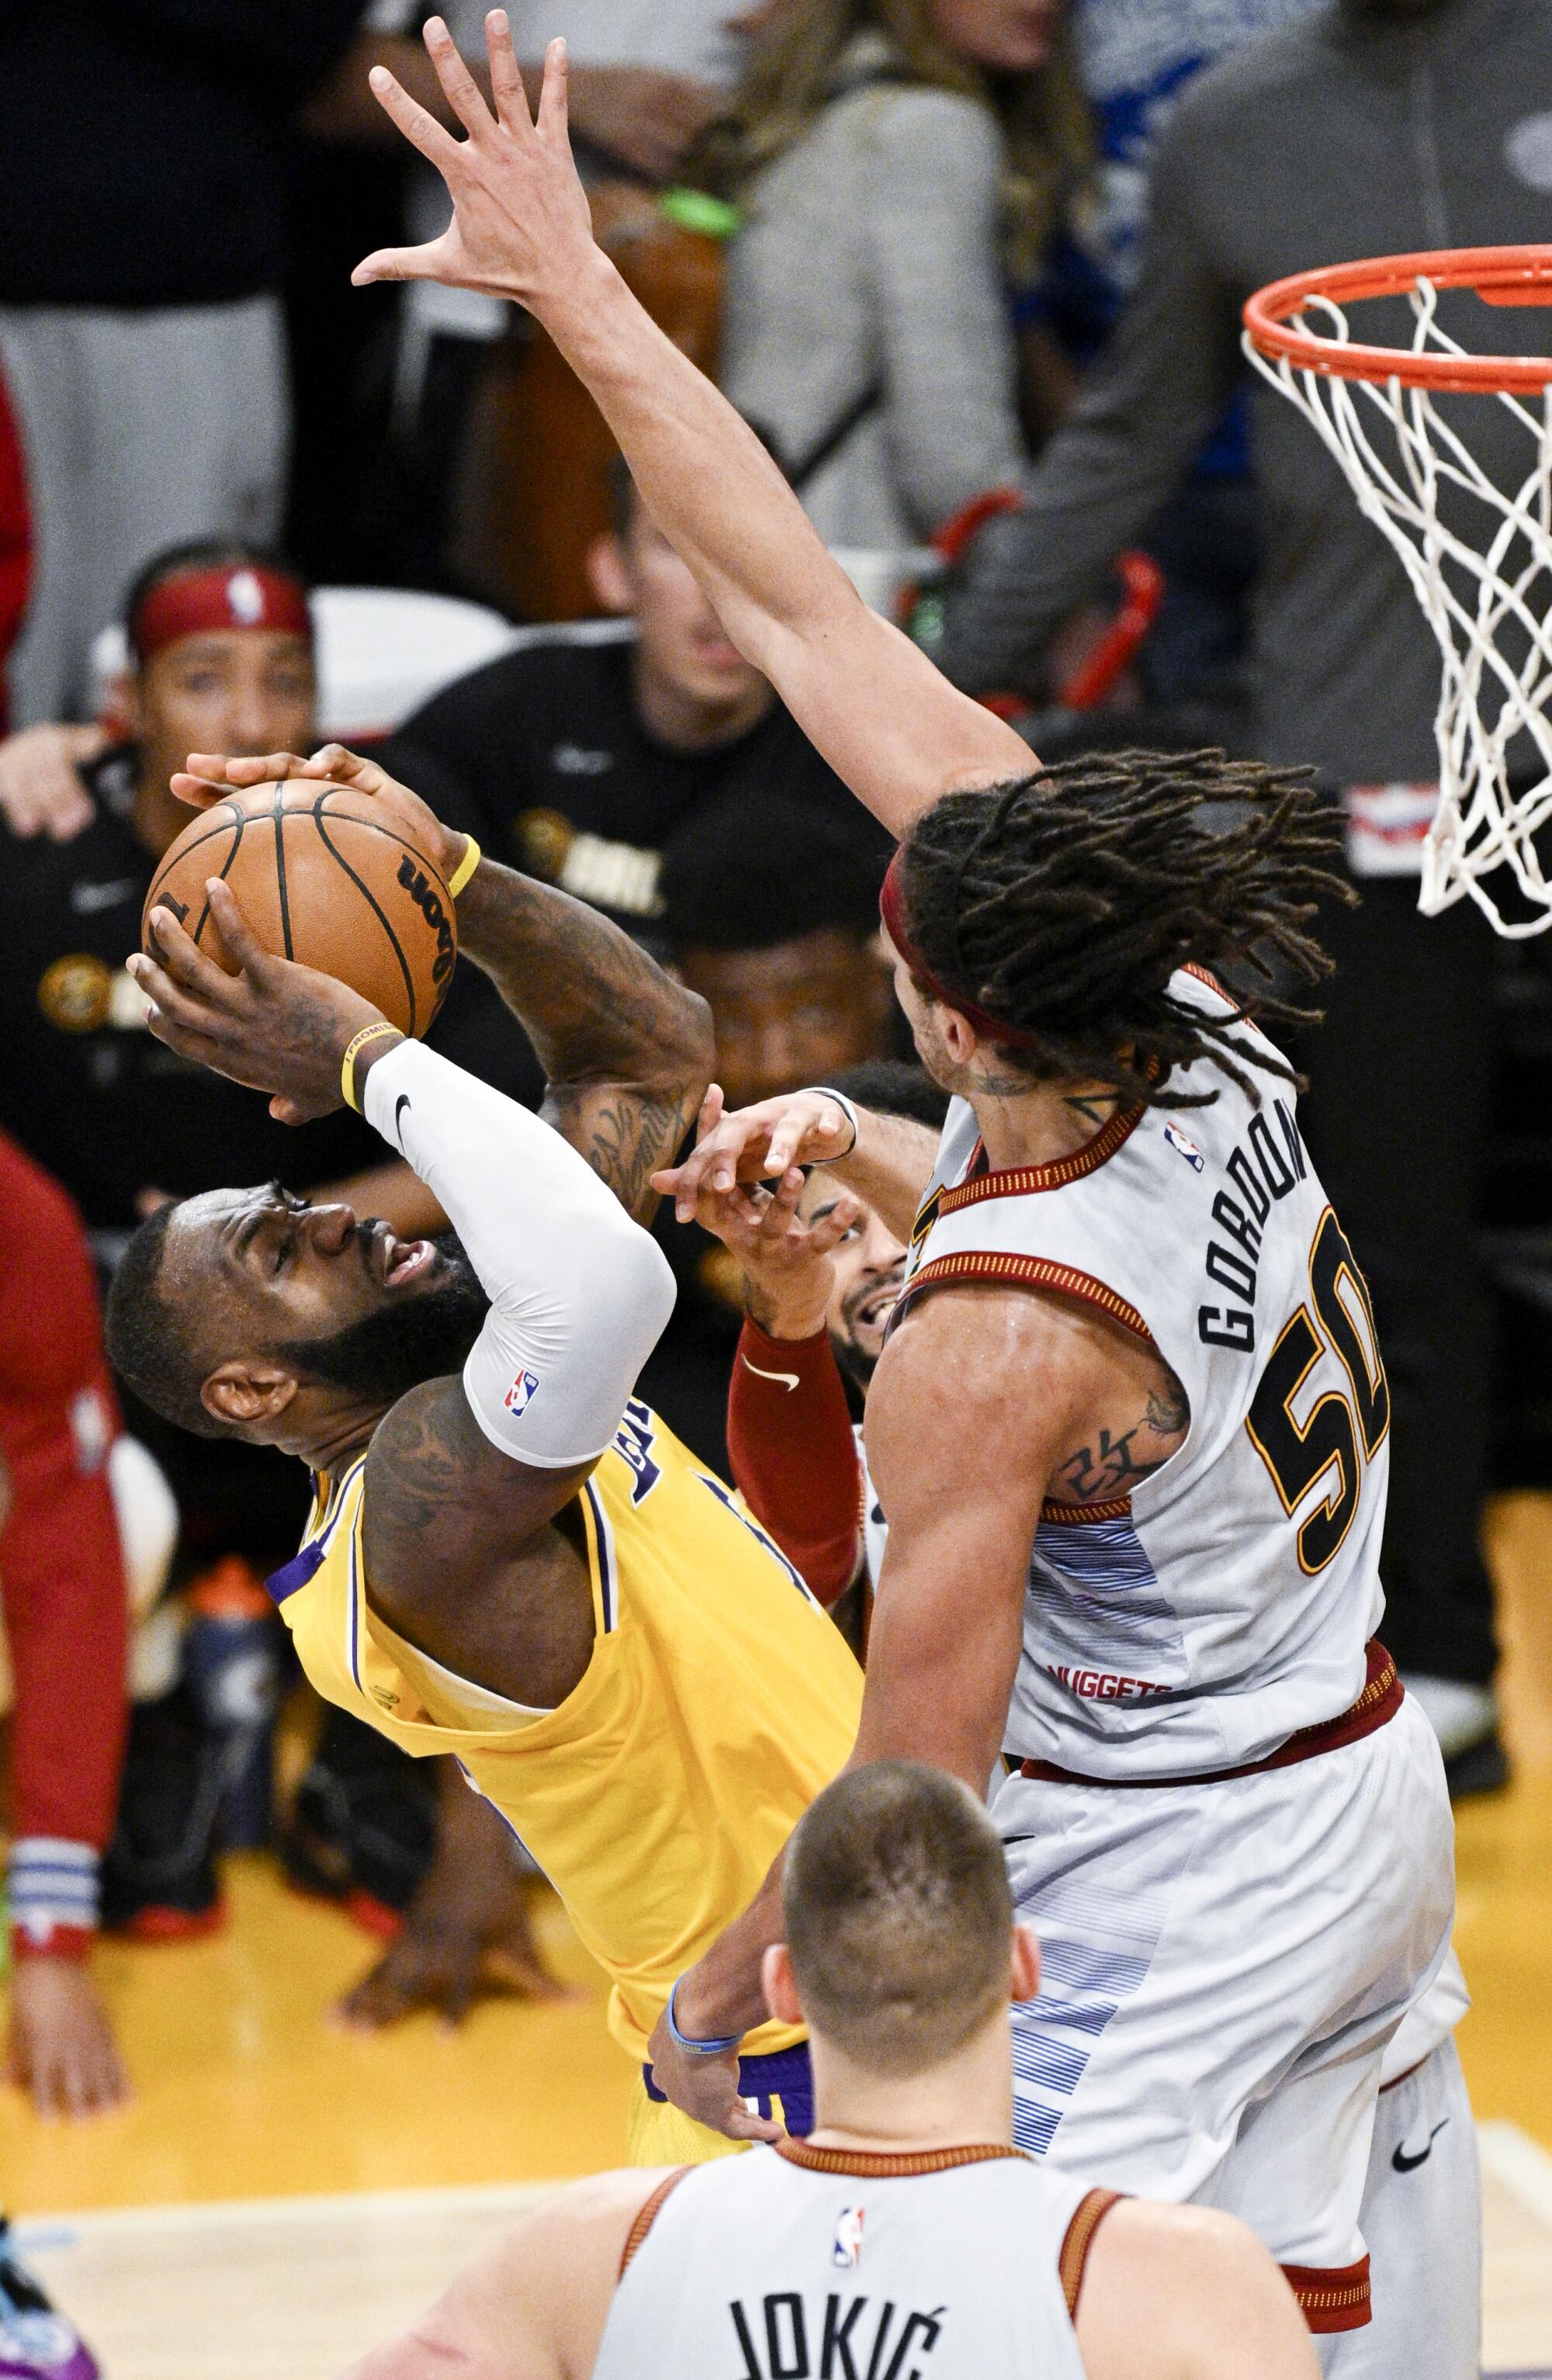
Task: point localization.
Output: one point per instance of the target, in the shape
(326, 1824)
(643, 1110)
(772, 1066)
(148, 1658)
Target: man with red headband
(221, 647)
(1130, 1430)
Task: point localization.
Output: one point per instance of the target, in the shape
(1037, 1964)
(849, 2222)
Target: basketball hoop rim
(1501, 277)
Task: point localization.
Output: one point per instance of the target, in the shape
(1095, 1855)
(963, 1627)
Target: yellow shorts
(660, 2133)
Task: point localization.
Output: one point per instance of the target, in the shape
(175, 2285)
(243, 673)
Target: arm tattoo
(1113, 1465)
(625, 1133)
(628, 1052)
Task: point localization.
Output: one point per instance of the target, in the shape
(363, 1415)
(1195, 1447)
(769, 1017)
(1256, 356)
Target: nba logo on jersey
(522, 1393)
(846, 2249)
(1188, 1149)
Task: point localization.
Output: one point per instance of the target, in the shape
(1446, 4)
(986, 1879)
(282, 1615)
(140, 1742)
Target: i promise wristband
(718, 2046)
(348, 1063)
(465, 867)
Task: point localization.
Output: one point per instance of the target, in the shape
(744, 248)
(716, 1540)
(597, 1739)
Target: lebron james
(509, 1559)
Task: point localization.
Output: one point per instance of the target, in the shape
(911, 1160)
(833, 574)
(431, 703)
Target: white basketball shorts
(1223, 1965)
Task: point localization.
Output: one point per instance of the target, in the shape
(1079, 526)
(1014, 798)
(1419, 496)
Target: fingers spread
(402, 264)
(463, 91)
(418, 125)
(506, 81)
(551, 119)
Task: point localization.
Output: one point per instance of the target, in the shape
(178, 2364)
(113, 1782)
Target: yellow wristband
(465, 867)
(348, 1063)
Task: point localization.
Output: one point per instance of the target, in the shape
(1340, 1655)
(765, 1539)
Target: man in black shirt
(586, 748)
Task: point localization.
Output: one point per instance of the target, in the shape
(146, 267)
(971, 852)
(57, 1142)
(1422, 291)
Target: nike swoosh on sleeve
(788, 1379)
(399, 1106)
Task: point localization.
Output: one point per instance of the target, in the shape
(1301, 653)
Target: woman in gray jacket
(896, 163)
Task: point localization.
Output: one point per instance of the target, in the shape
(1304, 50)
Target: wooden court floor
(280, 2194)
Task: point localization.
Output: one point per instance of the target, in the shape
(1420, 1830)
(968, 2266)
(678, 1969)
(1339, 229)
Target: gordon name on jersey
(1225, 1603)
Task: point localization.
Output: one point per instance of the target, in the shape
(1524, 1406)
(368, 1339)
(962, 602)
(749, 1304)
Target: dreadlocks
(1064, 902)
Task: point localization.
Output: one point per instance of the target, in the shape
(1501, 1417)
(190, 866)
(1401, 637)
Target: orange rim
(1501, 277)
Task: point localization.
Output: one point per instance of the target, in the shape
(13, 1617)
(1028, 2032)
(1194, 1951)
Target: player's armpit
(460, 1560)
(534, 2306)
(1184, 2293)
(975, 1400)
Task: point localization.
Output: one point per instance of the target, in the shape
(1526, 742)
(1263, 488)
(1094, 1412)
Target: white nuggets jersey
(795, 2261)
(1225, 1603)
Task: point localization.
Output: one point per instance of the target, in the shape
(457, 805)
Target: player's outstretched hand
(210, 774)
(755, 1144)
(275, 1025)
(788, 1274)
(521, 226)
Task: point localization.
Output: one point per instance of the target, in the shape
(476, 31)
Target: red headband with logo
(892, 908)
(197, 602)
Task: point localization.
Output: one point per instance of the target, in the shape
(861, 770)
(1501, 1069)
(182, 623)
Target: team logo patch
(847, 2247)
(76, 993)
(522, 1393)
(1188, 1149)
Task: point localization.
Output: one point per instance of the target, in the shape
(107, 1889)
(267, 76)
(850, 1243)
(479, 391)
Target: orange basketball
(322, 878)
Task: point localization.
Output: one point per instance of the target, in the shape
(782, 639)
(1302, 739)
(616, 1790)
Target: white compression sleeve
(579, 1294)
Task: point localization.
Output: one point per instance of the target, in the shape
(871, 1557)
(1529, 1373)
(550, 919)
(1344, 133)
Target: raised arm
(882, 716)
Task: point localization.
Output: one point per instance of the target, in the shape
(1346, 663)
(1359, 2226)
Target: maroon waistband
(1380, 1700)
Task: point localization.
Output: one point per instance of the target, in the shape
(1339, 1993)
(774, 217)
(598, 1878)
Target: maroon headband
(892, 908)
(224, 595)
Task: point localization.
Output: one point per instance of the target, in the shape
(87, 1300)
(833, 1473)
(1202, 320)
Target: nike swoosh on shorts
(1399, 2160)
(788, 1379)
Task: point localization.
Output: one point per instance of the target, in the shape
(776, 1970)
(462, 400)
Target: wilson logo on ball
(428, 902)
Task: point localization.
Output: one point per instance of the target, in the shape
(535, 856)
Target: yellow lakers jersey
(718, 1701)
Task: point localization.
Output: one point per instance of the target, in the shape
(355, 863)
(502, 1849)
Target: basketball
(322, 878)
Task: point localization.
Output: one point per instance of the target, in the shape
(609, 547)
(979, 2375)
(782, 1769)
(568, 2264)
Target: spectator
(141, 335)
(644, 82)
(773, 916)
(893, 159)
(1375, 126)
(65, 1609)
(586, 749)
(1134, 70)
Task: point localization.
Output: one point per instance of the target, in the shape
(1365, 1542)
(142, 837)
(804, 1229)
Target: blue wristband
(717, 2047)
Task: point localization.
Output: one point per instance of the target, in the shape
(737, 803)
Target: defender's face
(1004, 36)
(869, 1269)
(269, 1266)
(925, 1017)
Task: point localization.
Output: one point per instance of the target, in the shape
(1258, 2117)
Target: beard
(416, 1337)
(856, 1361)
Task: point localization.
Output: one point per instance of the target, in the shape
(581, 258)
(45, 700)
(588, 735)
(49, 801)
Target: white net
(1484, 579)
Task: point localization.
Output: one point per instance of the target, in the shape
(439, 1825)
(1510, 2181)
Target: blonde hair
(792, 72)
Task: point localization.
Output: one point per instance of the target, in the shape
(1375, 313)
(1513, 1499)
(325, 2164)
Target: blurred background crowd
(973, 270)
